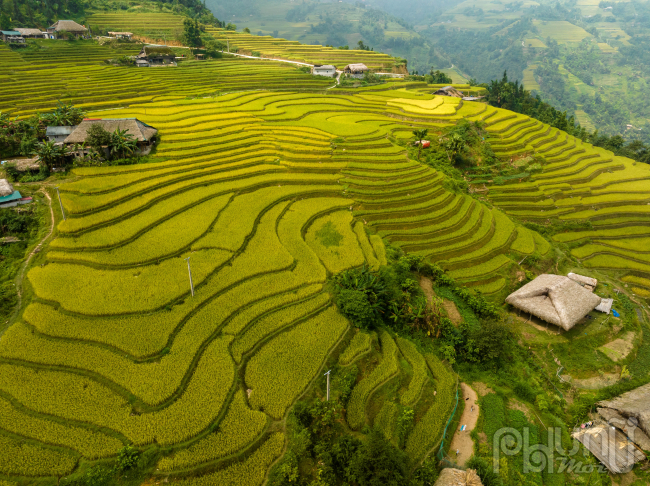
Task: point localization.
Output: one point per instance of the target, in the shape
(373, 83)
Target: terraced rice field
(251, 186)
(579, 183)
(562, 31)
(271, 47)
(76, 73)
(150, 25)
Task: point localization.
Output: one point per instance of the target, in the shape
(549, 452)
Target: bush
(355, 305)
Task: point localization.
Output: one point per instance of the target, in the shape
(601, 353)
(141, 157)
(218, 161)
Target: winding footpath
(21, 273)
(462, 442)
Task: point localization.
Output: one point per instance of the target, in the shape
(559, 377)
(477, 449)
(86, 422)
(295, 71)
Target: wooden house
(12, 37)
(31, 33)
(356, 70)
(156, 56)
(144, 135)
(69, 26)
(327, 70)
(121, 35)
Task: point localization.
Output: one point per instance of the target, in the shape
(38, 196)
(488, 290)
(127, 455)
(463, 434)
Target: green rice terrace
(278, 188)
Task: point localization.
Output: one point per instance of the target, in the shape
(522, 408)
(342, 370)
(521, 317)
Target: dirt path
(462, 442)
(21, 273)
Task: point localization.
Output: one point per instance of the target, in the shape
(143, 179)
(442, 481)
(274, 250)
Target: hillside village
(244, 260)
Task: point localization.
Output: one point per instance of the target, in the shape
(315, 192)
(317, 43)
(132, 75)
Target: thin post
(60, 203)
(328, 384)
(189, 270)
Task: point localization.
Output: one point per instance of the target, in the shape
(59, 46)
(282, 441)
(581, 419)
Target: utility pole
(60, 203)
(328, 384)
(189, 270)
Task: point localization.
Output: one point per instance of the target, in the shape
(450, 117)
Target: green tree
(50, 154)
(420, 135)
(231, 26)
(98, 138)
(247, 30)
(454, 143)
(191, 33)
(122, 143)
(5, 21)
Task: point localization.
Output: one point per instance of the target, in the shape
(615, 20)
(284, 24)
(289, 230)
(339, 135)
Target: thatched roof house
(139, 130)
(633, 404)
(610, 446)
(31, 33)
(24, 165)
(449, 91)
(67, 26)
(6, 189)
(156, 55)
(555, 299)
(357, 70)
(457, 477)
(587, 282)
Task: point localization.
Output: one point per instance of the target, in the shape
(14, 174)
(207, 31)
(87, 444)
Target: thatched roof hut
(6, 189)
(449, 91)
(587, 282)
(633, 404)
(24, 165)
(457, 477)
(610, 446)
(555, 299)
(67, 26)
(139, 130)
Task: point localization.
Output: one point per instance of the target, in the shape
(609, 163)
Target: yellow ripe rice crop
(20, 458)
(415, 359)
(281, 370)
(250, 472)
(240, 426)
(332, 239)
(361, 344)
(90, 444)
(387, 367)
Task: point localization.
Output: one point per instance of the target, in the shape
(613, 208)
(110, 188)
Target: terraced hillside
(606, 197)
(151, 25)
(77, 73)
(114, 349)
(273, 47)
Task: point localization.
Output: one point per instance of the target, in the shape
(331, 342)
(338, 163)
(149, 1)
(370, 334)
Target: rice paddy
(268, 183)
(579, 183)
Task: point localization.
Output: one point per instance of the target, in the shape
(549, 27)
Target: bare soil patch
(448, 305)
(482, 388)
(596, 382)
(517, 405)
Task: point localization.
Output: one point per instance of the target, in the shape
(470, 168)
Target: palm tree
(122, 143)
(453, 144)
(49, 153)
(419, 136)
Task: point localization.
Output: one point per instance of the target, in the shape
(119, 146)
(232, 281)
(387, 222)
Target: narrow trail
(21, 273)
(462, 442)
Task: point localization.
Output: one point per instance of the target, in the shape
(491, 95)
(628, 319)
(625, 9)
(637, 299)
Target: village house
(31, 33)
(155, 56)
(58, 134)
(121, 35)
(144, 135)
(9, 197)
(356, 70)
(449, 91)
(69, 26)
(555, 299)
(326, 70)
(12, 37)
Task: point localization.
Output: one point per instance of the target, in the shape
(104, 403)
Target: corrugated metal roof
(10, 32)
(11, 197)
